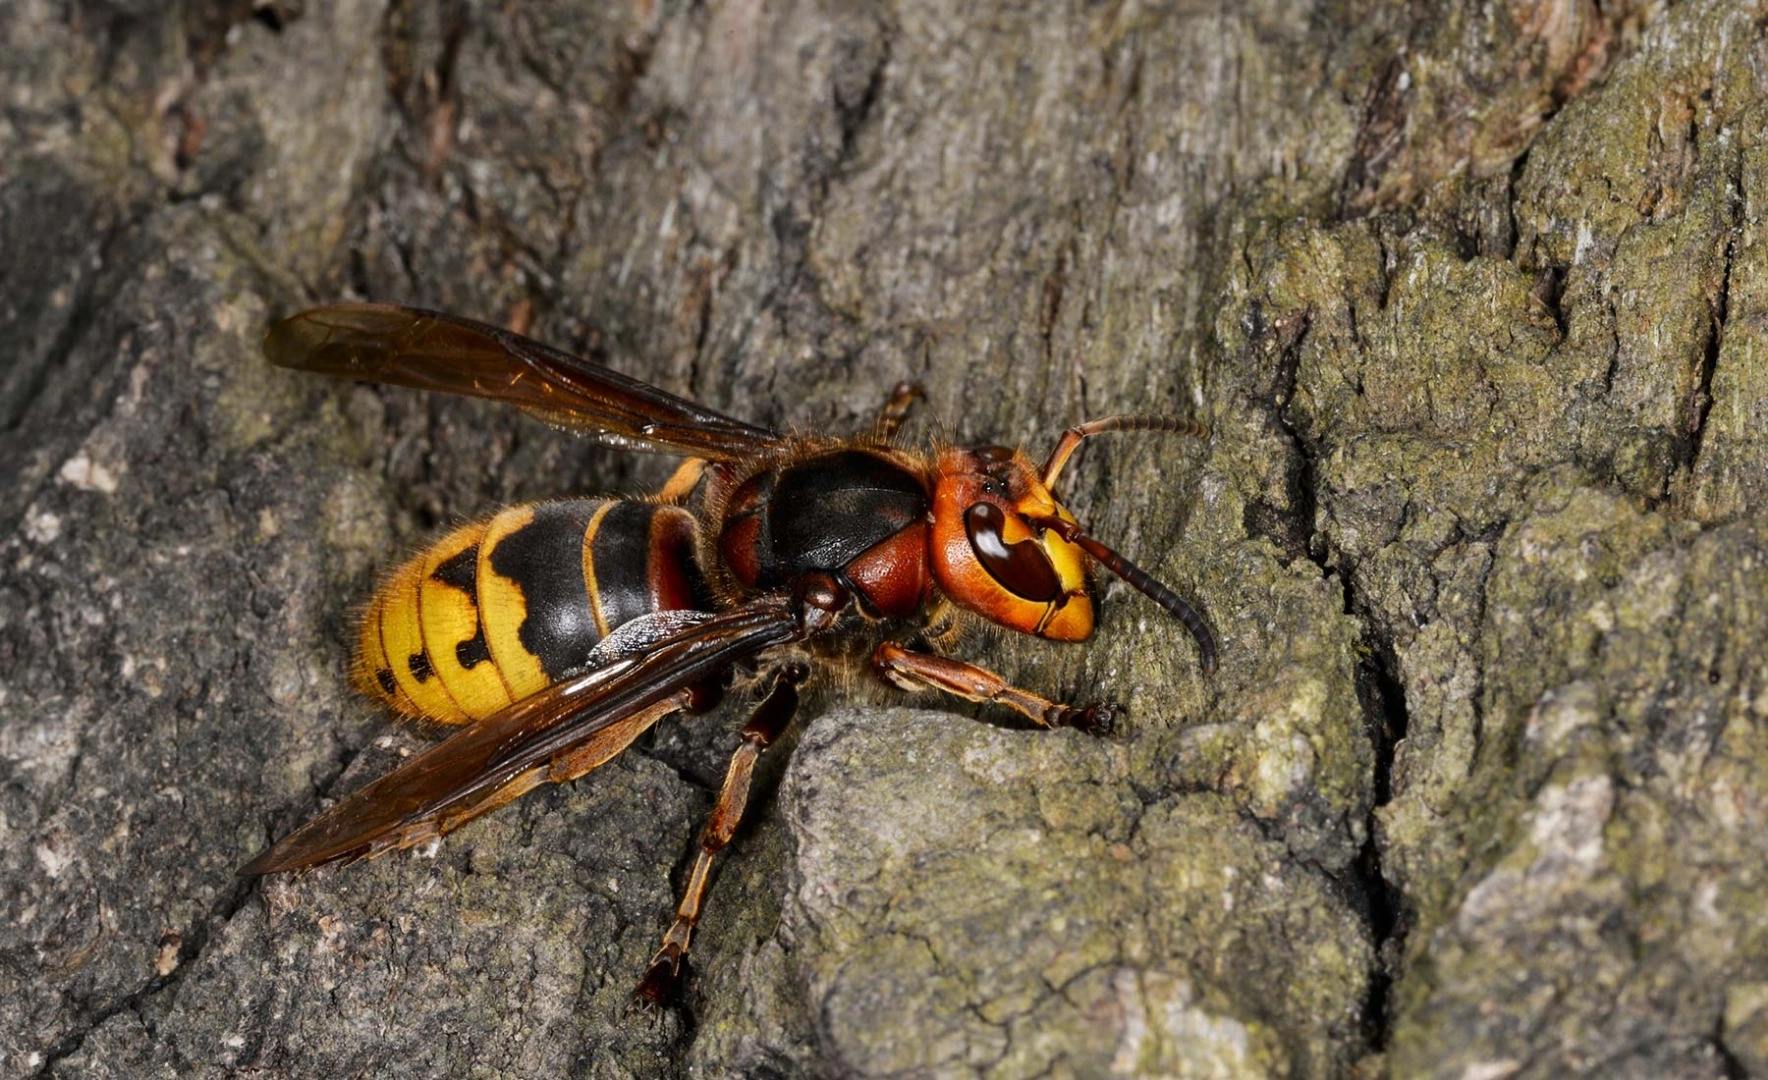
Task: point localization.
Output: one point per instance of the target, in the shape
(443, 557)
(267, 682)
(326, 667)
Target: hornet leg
(896, 410)
(925, 671)
(766, 724)
(681, 484)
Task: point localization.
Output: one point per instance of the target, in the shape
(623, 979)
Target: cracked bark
(1476, 791)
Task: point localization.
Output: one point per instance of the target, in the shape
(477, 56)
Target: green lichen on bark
(1509, 452)
(1005, 902)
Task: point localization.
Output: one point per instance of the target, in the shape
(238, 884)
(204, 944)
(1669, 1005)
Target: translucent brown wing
(431, 351)
(559, 733)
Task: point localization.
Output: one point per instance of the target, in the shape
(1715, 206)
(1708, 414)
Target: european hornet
(553, 634)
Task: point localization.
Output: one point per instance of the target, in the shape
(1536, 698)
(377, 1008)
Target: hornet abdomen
(503, 608)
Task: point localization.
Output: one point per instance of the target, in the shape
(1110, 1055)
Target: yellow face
(988, 554)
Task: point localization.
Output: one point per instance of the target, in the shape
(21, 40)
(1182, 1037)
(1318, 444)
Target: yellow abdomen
(503, 608)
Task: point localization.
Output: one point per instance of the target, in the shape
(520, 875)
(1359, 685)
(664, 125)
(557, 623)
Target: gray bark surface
(1466, 291)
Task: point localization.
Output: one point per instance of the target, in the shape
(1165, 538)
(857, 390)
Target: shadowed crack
(192, 944)
(1733, 1068)
(21, 401)
(1550, 291)
(1381, 135)
(1383, 697)
(24, 390)
(1380, 690)
(1290, 524)
(854, 105)
(1700, 400)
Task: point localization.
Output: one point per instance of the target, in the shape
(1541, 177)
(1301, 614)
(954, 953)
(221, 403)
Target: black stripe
(621, 555)
(544, 559)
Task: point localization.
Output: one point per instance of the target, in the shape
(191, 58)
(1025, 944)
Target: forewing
(427, 350)
(558, 733)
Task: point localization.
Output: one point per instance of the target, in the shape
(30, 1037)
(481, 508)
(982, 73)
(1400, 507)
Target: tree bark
(1464, 290)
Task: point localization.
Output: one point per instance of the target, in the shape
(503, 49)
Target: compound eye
(1022, 567)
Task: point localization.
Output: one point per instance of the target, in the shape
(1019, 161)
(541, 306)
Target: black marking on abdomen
(389, 685)
(461, 571)
(419, 665)
(473, 651)
(621, 557)
(544, 558)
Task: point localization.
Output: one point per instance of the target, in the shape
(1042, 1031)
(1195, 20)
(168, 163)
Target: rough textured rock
(1467, 291)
